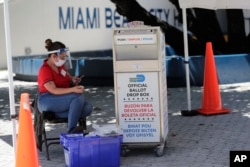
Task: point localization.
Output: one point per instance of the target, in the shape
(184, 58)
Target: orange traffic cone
(26, 154)
(211, 100)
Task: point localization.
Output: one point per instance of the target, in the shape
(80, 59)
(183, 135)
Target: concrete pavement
(192, 141)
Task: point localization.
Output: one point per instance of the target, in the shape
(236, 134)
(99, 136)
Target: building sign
(138, 105)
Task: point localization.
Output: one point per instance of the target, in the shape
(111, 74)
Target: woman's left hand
(76, 80)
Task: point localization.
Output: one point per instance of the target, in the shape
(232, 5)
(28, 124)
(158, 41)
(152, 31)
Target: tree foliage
(202, 23)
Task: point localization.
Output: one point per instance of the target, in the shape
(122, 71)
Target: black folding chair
(41, 120)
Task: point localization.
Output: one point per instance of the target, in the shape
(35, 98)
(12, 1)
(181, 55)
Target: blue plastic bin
(94, 151)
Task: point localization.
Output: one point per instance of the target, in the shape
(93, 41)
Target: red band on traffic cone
(211, 100)
(26, 146)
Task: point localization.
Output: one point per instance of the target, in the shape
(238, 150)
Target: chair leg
(46, 144)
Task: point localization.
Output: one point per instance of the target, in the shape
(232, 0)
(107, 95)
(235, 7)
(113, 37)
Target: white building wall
(33, 21)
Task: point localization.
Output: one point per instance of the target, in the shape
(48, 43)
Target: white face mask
(60, 62)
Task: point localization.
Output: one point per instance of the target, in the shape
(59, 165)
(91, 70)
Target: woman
(55, 91)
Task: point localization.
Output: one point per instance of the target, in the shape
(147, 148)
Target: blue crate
(92, 151)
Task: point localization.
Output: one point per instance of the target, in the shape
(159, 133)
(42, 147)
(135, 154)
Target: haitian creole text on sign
(138, 105)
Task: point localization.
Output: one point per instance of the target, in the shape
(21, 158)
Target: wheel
(159, 151)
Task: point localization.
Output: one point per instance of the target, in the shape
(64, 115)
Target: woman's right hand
(78, 89)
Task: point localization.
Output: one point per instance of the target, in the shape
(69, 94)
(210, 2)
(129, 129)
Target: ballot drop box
(140, 87)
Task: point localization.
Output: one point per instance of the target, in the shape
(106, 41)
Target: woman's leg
(54, 103)
(87, 109)
(75, 110)
(69, 105)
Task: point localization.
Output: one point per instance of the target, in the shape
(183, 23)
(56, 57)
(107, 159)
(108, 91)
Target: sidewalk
(192, 141)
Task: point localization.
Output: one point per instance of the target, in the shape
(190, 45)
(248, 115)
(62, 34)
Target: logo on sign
(138, 78)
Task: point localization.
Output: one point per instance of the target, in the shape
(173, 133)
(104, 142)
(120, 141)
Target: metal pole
(187, 112)
(10, 76)
(184, 18)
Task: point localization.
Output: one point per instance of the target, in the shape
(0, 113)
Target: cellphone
(79, 79)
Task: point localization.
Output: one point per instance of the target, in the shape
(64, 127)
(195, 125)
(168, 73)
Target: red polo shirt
(46, 74)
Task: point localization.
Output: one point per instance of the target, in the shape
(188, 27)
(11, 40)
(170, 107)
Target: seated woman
(55, 91)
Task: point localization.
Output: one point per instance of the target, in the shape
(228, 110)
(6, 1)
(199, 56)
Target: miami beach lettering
(72, 18)
(88, 18)
(94, 17)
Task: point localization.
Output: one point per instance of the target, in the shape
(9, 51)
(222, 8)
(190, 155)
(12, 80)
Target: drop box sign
(138, 105)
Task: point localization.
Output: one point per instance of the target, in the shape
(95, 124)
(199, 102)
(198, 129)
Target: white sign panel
(135, 39)
(138, 105)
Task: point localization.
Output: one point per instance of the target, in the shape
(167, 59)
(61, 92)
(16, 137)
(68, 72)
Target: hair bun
(48, 43)
(52, 46)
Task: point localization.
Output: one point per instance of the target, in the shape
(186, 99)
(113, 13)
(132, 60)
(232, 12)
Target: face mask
(60, 62)
(58, 52)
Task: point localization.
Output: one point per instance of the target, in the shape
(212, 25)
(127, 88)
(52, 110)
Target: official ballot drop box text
(140, 84)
